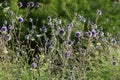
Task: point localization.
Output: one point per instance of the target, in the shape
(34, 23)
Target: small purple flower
(4, 29)
(48, 45)
(49, 18)
(89, 34)
(19, 4)
(78, 34)
(33, 65)
(61, 32)
(20, 19)
(8, 37)
(30, 4)
(44, 29)
(113, 41)
(93, 32)
(67, 55)
(114, 63)
(70, 42)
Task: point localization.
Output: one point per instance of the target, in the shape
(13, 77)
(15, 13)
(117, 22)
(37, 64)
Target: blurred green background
(65, 10)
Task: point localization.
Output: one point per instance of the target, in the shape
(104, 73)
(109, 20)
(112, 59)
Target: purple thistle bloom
(28, 4)
(32, 4)
(89, 34)
(99, 12)
(70, 42)
(114, 63)
(33, 65)
(20, 19)
(8, 37)
(93, 32)
(19, 4)
(113, 41)
(67, 54)
(61, 32)
(4, 29)
(44, 29)
(78, 34)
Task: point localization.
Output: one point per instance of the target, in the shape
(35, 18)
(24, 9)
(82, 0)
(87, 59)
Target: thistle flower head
(113, 41)
(8, 37)
(20, 19)
(89, 34)
(44, 29)
(61, 32)
(67, 54)
(33, 65)
(93, 32)
(70, 42)
(78, 34)
(99, 12)
(114, 63)
(30, 4)
(4, 29)
(20, 4)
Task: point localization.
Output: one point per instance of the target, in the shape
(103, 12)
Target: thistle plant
(59, 50)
